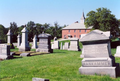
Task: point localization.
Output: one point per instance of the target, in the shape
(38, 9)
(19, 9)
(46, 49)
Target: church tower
(82, 20)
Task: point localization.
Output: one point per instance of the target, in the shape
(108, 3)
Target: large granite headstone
(97, 55)
(74, 44)
(44, 43)
(66, 46)
(4, 51)
(107, 33)
(24, 44)
(35, 42)
(117, 52)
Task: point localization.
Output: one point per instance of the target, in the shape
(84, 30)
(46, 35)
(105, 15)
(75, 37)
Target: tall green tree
(31, 27)
(3, 32)
(102, 19)
(14, 30)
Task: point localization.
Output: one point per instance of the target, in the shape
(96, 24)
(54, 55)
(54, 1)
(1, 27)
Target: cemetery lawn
(62, 65)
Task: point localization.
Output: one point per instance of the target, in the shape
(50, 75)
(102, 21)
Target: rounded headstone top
(55, 38)
(18, 35)
(44, 35)
(9, 32)
(24, 29)
(94, 35)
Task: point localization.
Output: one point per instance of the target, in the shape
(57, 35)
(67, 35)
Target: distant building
(75, 29)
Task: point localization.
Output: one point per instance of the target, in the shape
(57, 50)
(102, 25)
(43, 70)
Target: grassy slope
(62, 65)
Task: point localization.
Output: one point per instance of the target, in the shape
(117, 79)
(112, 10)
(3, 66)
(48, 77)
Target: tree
(14, 30)
(31, 32)
(3, 33)
(102, 19)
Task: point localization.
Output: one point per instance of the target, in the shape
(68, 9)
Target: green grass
(62, 65)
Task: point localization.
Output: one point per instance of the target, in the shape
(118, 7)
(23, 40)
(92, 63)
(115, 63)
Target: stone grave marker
(61, 47)
(66, 46)
(24, 44)
(4, 51)
(39, 79)
(97, 55)
(56, 43)
(35, 42)
(25, 54)
(74, 44)
(107, 33)
(18, 40)
(44, 43)
(117, 52)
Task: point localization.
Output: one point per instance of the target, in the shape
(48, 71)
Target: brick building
(75, 29)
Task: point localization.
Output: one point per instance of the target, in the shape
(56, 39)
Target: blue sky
(50, 11)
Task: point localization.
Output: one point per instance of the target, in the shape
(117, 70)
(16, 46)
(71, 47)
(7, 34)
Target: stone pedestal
(74, 44)
(25, 44)
(117, 52)
(35, 42)
(44, 43)
(5, 51)
(97, 55)
(66, 46)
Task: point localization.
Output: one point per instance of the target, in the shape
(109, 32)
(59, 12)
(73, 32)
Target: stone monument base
(111, 71)
(24, 49)
(5, 56)
(44, 50)
(81, 56)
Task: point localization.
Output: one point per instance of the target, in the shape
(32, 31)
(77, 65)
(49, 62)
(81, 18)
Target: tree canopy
(102, 19)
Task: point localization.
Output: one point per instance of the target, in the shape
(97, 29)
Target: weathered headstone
(25, 54)
(66, 46)
(107, 33)
(18, 40)
(4, 51)
(117, 52)
(44, 43)
(56, 44)
(35, 42)
(9, 39)
(39, 79)
(74, 44)
(97, 55)
(24, 44)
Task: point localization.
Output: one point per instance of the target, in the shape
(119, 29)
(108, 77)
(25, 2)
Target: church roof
(77, 25)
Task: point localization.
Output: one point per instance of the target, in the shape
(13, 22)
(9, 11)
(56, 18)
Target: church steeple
(82, 20)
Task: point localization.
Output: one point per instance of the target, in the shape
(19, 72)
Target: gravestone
(117, 52)
(97, 55)
(66, 46)
(35, 42)
(24, 44)
(82, 35)
(18, 41)
(74, 44)
(56, 44)
(9, 39)
(25, 54)
(4, 51)
(39, 79)
(44, 43)
(107, 33)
